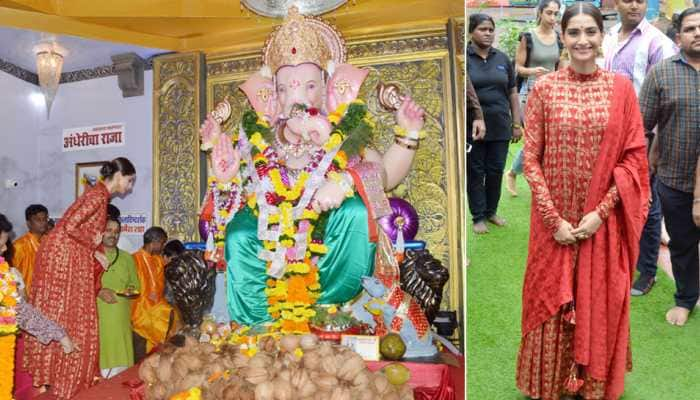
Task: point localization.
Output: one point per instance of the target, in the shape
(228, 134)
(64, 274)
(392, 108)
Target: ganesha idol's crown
(303, 39)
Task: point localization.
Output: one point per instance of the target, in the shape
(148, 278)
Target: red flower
(313, 111)
(273, 199)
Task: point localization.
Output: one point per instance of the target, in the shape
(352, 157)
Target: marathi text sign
(94, 137)
(134, 223)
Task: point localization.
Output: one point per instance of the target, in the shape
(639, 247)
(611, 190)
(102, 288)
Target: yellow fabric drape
(23, 259)
(150, 313)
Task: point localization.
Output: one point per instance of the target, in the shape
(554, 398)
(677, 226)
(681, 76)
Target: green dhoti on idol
(295, 192)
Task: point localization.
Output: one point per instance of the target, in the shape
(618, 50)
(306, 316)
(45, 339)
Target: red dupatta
(606, 261)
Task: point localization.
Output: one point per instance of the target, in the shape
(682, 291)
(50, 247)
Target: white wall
(19, 150)
(50, 173)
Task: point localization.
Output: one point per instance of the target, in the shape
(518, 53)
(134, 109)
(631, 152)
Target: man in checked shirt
(631, 48)
(670, 100)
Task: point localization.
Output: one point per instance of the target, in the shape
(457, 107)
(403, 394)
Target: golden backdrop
(424, 64)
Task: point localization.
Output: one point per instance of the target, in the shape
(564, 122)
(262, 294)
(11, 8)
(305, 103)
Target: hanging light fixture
(49, 63)
(278, 8)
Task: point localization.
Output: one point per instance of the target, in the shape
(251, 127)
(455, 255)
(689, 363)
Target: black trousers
(485, 165)
(677, 209)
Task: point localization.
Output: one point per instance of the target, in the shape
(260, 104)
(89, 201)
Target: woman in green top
(114, 312)
(538, 54)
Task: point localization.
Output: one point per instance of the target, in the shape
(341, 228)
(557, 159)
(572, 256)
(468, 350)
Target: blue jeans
(517, 166)
(651, 235)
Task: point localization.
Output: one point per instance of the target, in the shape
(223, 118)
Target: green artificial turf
(666, 359)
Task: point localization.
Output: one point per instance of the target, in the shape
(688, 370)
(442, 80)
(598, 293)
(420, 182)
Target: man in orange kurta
(37, 217)
(151, 315)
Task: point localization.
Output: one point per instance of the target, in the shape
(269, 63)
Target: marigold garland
(9, 297)
(291, 297)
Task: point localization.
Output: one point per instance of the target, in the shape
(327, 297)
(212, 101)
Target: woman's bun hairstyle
(119, 164)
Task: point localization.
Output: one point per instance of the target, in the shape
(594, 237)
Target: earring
(600, 52)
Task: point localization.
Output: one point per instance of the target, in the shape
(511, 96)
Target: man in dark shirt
(669, 101)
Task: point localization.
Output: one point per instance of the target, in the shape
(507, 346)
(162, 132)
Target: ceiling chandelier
(49, 63)
(278, 8)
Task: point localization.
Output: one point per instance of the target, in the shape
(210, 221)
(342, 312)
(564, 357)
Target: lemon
(392, 347)
(397, 374)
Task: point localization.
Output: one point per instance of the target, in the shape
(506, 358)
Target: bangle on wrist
(403, 133)
(517, 126)
(405, 145)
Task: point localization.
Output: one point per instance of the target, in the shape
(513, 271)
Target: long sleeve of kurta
(533, 155)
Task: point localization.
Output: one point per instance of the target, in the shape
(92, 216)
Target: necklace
(291, 149)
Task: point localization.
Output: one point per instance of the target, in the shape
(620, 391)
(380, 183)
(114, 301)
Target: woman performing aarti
(296, 190)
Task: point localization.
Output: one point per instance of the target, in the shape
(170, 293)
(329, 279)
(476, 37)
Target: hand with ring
(588, 226)
(329, 196)
(564, 235)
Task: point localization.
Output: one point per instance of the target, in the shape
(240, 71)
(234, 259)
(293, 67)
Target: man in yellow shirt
(37, 217)
(151, 315)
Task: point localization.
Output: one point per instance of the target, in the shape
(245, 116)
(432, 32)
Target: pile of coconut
(293, 367)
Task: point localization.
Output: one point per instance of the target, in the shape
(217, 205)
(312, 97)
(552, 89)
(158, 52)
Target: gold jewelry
(303, 39)
(517, 126)
(403, 133)
(406, 145)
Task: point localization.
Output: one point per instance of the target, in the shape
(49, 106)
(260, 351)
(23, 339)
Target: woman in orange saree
(64, 285)
(585, 160)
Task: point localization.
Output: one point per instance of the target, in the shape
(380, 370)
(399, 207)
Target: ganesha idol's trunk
(310, 128)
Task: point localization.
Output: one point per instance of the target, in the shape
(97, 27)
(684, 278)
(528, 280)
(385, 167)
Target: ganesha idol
(295, 191)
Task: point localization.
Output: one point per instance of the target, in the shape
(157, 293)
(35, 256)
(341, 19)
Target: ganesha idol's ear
(344, 85)
(260, 91)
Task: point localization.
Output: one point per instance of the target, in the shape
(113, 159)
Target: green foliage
(510, 30)
(357, 131)
(339, 319)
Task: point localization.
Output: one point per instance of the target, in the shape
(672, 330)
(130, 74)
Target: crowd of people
(89, 309)
(611, 147)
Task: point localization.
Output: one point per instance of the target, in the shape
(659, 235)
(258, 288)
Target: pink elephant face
(300, 84)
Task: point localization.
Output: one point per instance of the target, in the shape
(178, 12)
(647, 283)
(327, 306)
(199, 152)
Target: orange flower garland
(8, 326)
(292, 296)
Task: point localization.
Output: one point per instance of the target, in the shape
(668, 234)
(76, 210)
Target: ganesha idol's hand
(410, 115)
(316, 128)
(210, 131)
(329, 196)
(225, 160)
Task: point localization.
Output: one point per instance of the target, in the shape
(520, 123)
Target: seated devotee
(151, 315)
(37, 217)
(113, 310)
(172, 249)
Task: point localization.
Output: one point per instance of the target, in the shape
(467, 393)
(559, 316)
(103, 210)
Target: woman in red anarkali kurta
(65, 282)
(585, 160)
